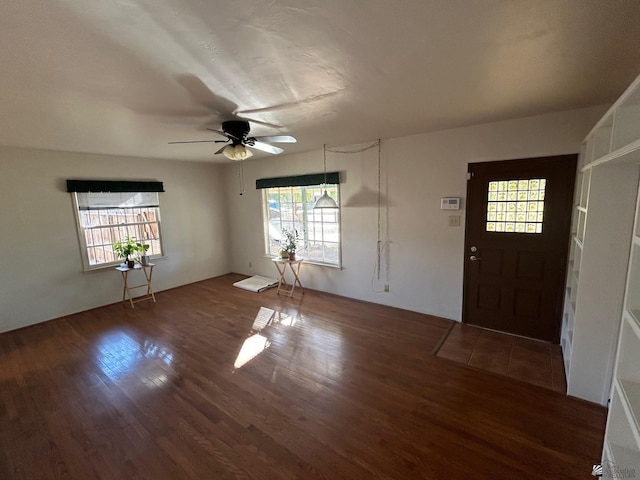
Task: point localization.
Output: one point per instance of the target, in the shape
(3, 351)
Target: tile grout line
(473, 350)
(553, 373)
(510, 357)
(443, 339)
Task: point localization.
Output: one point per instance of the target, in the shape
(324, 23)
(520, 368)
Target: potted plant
(290, 243)
(142, 252)
(126, 248)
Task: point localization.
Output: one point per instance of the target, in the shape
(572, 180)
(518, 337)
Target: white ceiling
(124, 77)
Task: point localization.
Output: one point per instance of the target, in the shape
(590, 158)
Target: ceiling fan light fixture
(241, 152)
(237, 152)
(229, 152)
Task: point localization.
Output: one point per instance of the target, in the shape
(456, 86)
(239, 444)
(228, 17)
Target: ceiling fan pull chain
(241, 176)
(379, 244)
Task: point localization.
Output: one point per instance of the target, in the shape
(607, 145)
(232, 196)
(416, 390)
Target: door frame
(567, 234)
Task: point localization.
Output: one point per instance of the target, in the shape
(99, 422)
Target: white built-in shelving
(622, 437)
(601, 322)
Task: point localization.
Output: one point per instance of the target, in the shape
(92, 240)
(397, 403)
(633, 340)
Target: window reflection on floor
(288, 337)
(251, 348)
(121, 357)
(256, 343)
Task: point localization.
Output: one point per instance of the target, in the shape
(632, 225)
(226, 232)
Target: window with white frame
(108, 217)
(291, 209)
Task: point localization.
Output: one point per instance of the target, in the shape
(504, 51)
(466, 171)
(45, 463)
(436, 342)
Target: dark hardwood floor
(214, 382)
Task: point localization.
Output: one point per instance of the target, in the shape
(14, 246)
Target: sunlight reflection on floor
(267, 332)
(122, 357)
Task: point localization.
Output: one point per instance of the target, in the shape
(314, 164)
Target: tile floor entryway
(531, 361)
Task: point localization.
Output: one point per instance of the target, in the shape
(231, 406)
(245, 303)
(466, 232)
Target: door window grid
(516, 206)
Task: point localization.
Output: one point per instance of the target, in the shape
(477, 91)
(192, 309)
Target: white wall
(41, 273)
(210, 230)
(424, 257)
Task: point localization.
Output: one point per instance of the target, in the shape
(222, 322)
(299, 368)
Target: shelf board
(578, 241)
(624, 457)
(608, 116)
(630, 391)
(635, 318)
(629, 153)
(569, 320)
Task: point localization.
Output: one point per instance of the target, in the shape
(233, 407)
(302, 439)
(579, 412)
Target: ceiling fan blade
(259, 122)
(220, 132)
(195, 141)
(229, 136)
(265, 147)
(220, 151)
(276, 139)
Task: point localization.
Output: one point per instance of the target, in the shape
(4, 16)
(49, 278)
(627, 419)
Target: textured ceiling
(124, 77)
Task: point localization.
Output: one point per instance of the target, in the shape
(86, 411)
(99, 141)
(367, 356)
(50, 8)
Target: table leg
(125, 290)
(148, 277)
(124, 283)
(296, 279)
(283, 281)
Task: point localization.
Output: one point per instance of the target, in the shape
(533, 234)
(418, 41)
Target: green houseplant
(290, 242)
(127, 248)
(142, 252)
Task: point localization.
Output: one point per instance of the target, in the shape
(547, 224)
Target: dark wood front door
(516, 243)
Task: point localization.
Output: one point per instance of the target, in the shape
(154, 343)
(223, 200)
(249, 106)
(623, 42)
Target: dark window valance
(299, 180)
(113, 186)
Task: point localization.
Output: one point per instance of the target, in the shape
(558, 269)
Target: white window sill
(311, 262)
(112, 265)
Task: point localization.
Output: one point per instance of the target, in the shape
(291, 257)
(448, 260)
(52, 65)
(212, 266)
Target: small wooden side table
(294, 266)
(126, 291)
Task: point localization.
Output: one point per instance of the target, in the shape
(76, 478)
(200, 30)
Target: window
(291, 208)
(516, 206)
(107, 217)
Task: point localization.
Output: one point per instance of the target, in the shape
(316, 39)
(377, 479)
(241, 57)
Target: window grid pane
(291, 208)
(104, 227)
(516, 206)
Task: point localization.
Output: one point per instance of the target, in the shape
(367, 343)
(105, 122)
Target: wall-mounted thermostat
(450, 203)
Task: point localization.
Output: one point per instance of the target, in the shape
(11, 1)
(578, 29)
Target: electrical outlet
(386, 287)
(454, 220)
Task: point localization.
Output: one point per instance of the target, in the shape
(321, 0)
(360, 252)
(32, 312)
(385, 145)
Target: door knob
(473, 258)
(473, 249)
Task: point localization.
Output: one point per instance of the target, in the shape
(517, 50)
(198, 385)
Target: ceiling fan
(237, 132)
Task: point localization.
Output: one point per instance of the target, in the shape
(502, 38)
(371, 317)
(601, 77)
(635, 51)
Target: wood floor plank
(217, 382)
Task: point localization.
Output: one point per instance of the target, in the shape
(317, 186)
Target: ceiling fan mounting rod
(236, 128)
